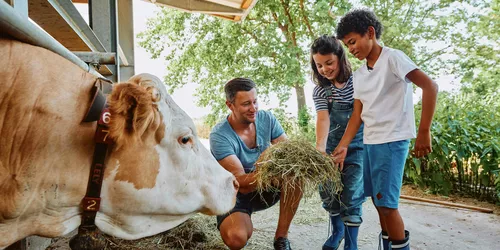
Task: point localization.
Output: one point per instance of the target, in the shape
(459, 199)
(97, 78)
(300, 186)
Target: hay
(296, 163)
(199, 232)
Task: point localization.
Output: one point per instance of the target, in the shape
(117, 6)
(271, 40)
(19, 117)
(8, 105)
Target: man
(237, 143)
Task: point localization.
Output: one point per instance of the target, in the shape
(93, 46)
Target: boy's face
(359, 45)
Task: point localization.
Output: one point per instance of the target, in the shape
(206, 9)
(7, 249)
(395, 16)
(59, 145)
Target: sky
(184, 96)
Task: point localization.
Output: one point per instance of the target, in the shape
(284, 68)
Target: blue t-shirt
(225, 142)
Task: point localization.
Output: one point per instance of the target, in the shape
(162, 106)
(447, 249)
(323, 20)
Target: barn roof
(110, 27)
(234, 10)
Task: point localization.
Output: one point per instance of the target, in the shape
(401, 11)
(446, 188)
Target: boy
(383, 101)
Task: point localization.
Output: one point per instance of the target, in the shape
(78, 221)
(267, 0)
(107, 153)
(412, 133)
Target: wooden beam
(449, 204)
(224, 17)
(199, 6)
(246, 4)
(228, 3)
(80, 1)
(221, 13)
(63, 22)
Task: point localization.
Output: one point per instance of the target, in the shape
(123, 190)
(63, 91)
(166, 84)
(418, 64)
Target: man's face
(359, 45)
(245, 106)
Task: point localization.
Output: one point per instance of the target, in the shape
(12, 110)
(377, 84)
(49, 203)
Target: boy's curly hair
(358, 20)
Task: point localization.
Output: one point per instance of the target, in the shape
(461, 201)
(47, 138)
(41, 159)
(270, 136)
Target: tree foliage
(272, 45)
(479, 51)
(466, 128)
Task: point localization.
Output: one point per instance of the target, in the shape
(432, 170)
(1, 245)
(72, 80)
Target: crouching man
(237, 143)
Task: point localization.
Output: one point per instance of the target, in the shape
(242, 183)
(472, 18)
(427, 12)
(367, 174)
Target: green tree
(479, 51)
(271, 45)
(425, 30)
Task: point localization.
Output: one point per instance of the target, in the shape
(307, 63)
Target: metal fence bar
(20, 28)
(96, 57)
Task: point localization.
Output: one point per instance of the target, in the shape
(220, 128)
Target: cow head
(158, 173)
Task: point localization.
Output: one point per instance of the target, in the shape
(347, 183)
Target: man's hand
(423, 144)
(339, 155)
(247, 181)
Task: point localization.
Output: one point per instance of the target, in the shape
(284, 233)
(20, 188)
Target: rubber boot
(337, 233)
(385, 240)
(351, 237)
(400, 244)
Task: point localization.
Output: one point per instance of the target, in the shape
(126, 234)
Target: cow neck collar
(99, 112)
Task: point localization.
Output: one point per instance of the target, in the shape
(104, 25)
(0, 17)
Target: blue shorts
(250, 203)
(383, 167)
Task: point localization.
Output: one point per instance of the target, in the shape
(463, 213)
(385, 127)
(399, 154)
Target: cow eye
(185, 139)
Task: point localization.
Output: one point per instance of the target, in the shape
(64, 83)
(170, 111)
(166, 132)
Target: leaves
(270, 47)
(465, 145)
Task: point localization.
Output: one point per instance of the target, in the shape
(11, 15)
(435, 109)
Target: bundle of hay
(296, 163)
(199, 232)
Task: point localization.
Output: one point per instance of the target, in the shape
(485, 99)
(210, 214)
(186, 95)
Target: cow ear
(133, 110)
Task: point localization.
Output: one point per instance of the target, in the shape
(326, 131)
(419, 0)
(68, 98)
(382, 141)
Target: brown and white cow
(157, 175)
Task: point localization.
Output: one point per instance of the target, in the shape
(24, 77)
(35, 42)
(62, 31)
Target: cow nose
(236, 184)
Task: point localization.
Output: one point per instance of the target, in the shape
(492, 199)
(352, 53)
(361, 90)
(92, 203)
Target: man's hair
(237, 84)
(330, 45)
(358, 20)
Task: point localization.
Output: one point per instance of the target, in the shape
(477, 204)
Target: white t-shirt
(387, 98)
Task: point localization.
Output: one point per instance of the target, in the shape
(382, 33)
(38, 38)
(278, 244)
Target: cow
(157, 172)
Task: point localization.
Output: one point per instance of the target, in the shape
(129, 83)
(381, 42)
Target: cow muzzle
(88, 238)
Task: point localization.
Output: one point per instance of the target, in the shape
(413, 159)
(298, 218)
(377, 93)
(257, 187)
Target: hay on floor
(296, 163)
(199, 232)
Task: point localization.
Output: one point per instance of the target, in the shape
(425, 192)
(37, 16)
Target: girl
(333, 99)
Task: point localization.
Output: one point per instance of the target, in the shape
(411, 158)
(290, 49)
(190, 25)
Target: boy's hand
(423, 144)
(339, 154)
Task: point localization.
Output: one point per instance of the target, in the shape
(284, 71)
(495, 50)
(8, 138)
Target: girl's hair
(330, 45)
